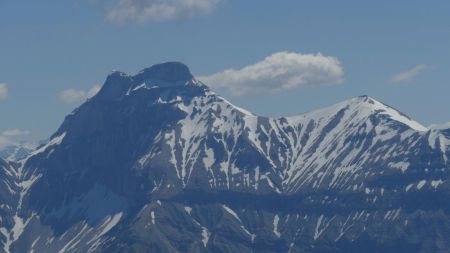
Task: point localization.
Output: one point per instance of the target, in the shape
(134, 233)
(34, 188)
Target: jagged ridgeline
(157, 162)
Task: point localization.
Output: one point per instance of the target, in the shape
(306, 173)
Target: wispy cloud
(10, 136)
(142, 11)
(408, 75)
(4, 91)
(15, 132)
(73, 96)
(279, 72)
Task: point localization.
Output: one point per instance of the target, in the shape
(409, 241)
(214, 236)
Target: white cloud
(72, 96)
(408, 75)
(4, 91)
(142, 11)
(15, 132)
(279, 72)
(93, 91)
(8, 137)
(440, 126)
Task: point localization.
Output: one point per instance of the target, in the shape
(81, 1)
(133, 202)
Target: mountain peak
(369, 105)
(362, 99)
(166, 72)
(363, 107)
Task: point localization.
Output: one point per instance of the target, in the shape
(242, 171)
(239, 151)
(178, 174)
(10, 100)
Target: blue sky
(394, 51)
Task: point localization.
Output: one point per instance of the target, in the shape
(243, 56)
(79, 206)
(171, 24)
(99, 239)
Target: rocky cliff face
(157, 162)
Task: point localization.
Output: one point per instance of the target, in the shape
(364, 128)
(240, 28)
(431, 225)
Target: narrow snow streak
(276, 221)
(233, 213)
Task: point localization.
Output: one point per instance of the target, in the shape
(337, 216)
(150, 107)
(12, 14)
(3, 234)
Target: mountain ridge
(178, 68)
(152, 165)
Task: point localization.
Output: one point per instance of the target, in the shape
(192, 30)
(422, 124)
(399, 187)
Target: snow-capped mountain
(16, 151)
(157, 162)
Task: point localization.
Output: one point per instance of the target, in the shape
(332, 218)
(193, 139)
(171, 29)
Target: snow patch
(276, 221)
(403, 166)
(421, 184)
(205, 234)
(152, 214)
(233, 213)
(55, 141)
(436, 183)
(408, 187)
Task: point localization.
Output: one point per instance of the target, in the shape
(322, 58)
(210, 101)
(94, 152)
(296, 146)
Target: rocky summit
(157, 162)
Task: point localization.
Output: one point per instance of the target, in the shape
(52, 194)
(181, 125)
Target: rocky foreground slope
(157, 162)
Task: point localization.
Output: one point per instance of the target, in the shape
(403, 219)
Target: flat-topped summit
(167, 72)
(163, 75)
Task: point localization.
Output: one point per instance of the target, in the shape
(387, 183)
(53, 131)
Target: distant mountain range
(16, 151)
(157, 162)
